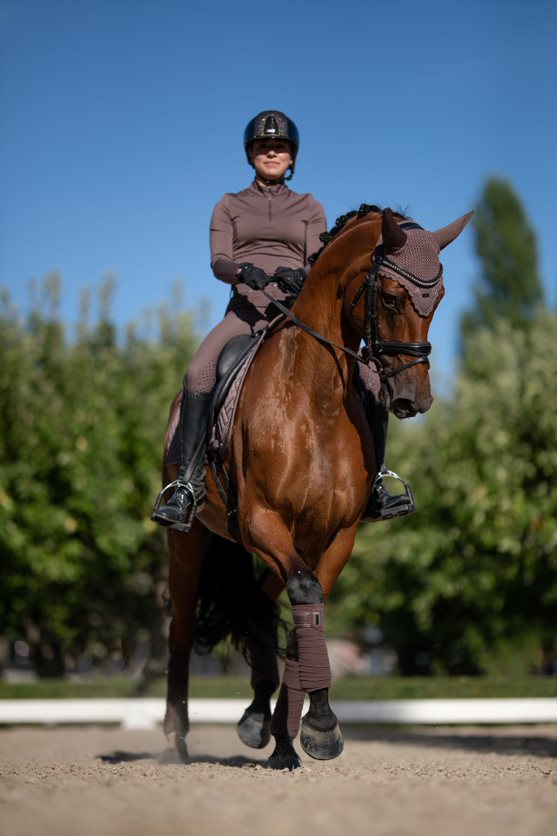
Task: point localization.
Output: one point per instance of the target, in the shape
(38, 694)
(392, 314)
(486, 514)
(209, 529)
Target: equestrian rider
(259, 236)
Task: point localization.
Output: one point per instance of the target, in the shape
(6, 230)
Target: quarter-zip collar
(278, 189)
(270, 193)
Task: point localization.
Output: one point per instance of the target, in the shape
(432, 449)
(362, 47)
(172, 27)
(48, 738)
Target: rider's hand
(289, 280)
(253, 276)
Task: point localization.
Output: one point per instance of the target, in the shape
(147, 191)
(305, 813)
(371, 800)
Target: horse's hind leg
(254, 728)
(186, 556)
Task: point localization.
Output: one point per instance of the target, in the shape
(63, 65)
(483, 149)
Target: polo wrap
(290, 702)
(315, 670)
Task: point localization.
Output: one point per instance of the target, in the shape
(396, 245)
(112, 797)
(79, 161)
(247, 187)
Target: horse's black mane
(341, 222)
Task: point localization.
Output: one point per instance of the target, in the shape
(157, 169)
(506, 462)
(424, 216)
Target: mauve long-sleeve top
(270, 228)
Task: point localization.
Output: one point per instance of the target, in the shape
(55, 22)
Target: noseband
(374, 346)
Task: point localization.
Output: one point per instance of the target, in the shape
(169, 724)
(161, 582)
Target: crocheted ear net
(419, 256)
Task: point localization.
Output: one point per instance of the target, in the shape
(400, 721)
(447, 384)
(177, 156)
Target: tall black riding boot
(189, 493)
(383, 505)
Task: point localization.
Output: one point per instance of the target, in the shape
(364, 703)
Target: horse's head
(392, 306)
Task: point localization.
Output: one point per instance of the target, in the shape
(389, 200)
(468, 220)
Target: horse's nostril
(404, 408)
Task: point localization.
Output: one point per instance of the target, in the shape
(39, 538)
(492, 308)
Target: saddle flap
(232, 353)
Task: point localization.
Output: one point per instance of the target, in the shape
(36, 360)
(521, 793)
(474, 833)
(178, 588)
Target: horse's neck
(325, 368)
(321, 303)
(319, 306)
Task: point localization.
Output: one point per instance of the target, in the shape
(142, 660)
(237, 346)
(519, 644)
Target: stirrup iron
(407, 506)
(177, 526)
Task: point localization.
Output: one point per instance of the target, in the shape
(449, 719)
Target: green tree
(509, 286)
(80, 453)
(477, 564)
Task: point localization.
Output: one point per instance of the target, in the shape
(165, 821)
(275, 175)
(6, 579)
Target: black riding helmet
(272, 124)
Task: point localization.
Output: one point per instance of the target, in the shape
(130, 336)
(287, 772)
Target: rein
(302, 325)
(374, 347)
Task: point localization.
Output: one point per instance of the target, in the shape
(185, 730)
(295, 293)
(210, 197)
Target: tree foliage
(478, 562)
(81, 432)
(509, 287)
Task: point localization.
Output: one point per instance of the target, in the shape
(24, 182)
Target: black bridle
(374, 346)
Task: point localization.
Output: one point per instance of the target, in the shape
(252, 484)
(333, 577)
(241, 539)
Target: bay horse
(301, 462)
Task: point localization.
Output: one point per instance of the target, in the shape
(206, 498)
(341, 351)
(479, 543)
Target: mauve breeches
(201, 375)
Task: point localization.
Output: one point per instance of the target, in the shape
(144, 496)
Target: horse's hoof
(321, 745)
(284, 755)
(284, 762)
(254, 729)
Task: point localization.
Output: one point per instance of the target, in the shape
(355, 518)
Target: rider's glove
(253, 276)
(289, 280)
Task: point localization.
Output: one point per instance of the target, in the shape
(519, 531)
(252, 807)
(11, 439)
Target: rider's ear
(448, 233)
(393, 236)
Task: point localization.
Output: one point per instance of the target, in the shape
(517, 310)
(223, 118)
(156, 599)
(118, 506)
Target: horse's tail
(231, 604)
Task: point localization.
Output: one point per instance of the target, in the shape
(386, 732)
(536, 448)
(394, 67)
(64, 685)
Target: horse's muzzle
(405, 408)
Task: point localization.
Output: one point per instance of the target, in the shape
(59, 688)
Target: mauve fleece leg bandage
(313, 659)
(295, 697)
(288, 711)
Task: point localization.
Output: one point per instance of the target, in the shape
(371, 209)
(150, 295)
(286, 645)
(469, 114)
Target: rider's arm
(221, 238)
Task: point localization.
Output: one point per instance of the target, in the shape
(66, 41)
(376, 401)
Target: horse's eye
(395, 303)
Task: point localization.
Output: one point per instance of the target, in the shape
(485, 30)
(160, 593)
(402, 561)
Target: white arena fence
(147, 713)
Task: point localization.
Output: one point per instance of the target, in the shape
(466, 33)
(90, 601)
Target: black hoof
(323, 745)
(284, 762)
(254, 729)
(284, 756)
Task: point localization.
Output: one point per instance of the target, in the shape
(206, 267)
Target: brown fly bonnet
(416, 267)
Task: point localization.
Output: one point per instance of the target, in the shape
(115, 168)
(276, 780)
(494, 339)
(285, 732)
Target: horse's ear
(393, 236)
(449, 233)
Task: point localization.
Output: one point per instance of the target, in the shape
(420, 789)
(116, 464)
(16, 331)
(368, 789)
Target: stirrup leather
(184, 526)
(406, 504)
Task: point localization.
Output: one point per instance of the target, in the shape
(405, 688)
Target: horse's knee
(304, 588)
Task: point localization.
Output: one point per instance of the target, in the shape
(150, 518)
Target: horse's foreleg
(320, 736)
(288, 711)
(307, 671)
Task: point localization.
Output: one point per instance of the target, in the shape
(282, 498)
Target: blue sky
(122, 126)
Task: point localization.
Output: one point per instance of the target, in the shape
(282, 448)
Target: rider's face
(271, 158)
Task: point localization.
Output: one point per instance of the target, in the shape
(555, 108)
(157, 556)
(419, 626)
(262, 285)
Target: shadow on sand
(494, 740)
(498, 741)
(170, 756)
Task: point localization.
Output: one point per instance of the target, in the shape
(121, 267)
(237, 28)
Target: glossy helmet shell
(272, 124)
